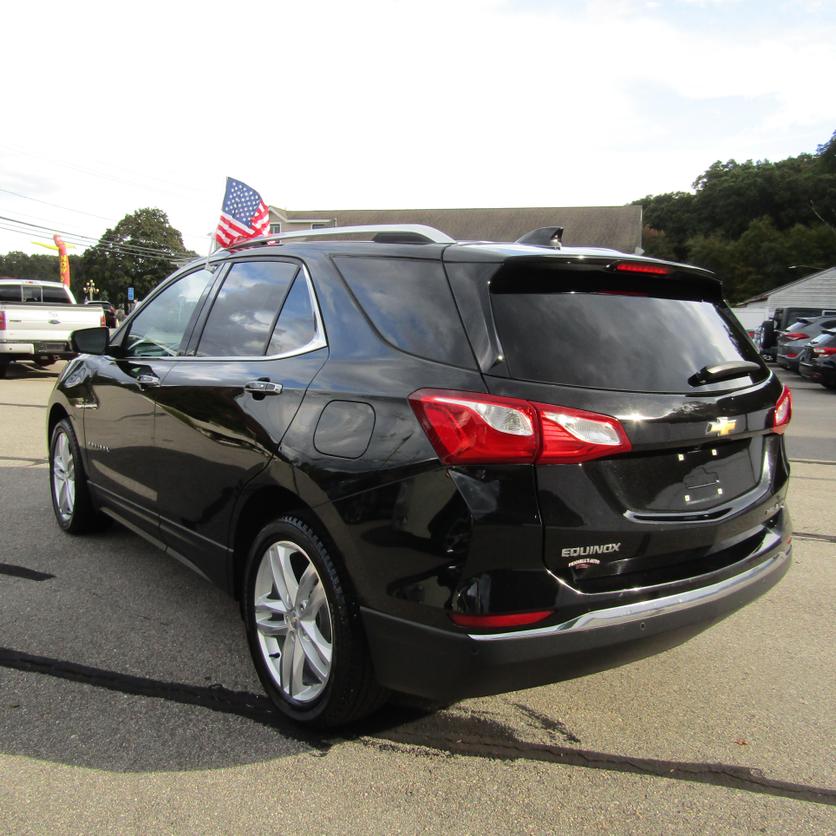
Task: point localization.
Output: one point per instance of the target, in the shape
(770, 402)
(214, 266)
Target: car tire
(304, 630)
(43, 362)
(4, 368)
(71, 501)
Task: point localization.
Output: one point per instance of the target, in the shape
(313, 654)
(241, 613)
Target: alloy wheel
(293, 622)
(63, 477)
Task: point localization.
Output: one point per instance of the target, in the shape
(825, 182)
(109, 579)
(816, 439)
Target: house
(618, 227)
(816, 290)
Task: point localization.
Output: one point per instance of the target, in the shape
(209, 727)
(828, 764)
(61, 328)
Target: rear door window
(296, 325)
(9, 292)
(246, 308)
(597, 332)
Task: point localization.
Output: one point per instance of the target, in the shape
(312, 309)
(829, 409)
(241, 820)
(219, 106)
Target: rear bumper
(17, 348)
(25, 351)
(787, 361)
(444, 665)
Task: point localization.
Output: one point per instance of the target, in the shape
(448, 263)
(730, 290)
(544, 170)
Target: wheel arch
(261, 507)
(57, 413)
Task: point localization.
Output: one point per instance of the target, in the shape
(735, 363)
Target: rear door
(636, 347)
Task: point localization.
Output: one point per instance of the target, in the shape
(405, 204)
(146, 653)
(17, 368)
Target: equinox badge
(722, 426)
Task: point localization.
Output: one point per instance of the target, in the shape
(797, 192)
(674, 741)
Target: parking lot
(128, 701)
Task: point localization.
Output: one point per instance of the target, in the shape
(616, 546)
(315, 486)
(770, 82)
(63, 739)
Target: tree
(827, 155)
(671, 214)
(750, 221)
(18, 265)
(138, 252)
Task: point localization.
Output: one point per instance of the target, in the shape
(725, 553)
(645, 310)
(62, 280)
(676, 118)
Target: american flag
(244, 214)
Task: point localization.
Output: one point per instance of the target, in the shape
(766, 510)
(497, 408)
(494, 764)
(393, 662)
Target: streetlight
(90, 290)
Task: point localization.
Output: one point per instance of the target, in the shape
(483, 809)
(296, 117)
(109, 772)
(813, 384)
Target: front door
(121, 398)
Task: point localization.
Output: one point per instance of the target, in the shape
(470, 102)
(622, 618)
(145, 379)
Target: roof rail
(417, 232)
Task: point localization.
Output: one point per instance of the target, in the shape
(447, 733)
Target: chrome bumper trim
(627, 613)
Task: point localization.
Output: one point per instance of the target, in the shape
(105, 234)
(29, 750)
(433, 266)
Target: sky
(109, 108)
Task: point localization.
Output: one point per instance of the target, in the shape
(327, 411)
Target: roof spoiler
(545, 236)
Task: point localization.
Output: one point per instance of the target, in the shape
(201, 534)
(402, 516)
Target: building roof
(822, 280)
(618, 227)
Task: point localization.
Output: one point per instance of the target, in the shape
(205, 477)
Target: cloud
(336, 105)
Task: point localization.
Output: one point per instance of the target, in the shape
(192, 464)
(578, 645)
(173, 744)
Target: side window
(162, 324)
(55, 295)
(9, 292)
(296, 325)
(411, 305)
(245, 309)
(31, 293)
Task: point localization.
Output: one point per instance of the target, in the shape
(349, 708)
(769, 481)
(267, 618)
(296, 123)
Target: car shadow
(115, 657)
(23, 371)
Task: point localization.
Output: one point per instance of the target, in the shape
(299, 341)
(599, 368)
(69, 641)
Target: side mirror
(90, 340)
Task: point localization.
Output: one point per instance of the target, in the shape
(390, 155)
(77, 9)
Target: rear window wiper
(723, 371)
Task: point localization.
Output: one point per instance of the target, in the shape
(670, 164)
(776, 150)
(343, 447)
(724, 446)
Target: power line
(94, 240)
(70, 209)
(56, 205)
(27, 228)
(116, 247)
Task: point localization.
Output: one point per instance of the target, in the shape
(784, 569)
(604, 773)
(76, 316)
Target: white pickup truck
(36, 320)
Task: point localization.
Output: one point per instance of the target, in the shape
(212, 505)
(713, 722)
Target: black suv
(435, 467)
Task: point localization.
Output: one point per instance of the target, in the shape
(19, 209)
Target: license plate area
(686, 479)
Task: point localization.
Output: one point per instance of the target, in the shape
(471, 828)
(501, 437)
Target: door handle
(148, 380)
(263, 387)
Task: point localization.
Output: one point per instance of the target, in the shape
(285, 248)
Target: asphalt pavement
(128, 702)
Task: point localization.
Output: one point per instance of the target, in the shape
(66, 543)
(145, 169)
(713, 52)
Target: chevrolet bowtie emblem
(722, 426)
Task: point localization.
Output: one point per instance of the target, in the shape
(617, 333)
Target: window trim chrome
(318, 341)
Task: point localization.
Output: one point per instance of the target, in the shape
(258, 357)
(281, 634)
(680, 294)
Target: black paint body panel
(183, 462)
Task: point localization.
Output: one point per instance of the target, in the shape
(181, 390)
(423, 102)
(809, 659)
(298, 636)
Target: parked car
(818, 360)
(36, 320)
(109, 311)
(431, 467)
(766, 339)
(795, 339)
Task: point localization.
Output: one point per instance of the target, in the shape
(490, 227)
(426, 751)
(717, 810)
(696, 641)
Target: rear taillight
(783, 412)
(572, 435)
(517, 619)
(792, 354)
(2, 320)
(825, 351)
(796, 335)
(472, 428)
(103, 321)
(466, 427)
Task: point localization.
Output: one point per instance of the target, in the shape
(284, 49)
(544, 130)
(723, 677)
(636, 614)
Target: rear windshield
(597, 332)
